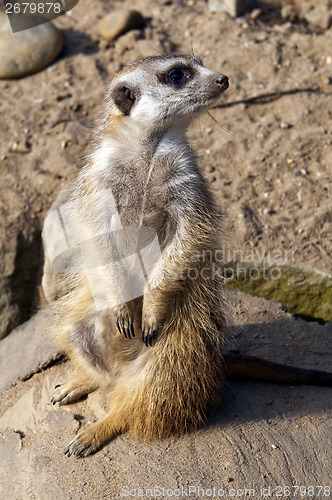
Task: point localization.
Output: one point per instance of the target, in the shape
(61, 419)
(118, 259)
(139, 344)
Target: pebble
(300, 195)
(287, 11)
(234, 8)
(255, 13)
(27, 51)
(318, 18)
(120, 21)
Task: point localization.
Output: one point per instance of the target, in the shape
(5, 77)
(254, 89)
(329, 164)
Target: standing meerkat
(144, 315)
(158, 354)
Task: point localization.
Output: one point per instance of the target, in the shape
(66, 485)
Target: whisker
(218, 123)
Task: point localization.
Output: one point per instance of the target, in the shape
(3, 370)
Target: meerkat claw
(149, 337)
(118, 325)
(81, 446)
(125, 325)
(124, 330)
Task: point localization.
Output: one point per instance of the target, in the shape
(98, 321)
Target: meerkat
(158, 354)
(135, 321)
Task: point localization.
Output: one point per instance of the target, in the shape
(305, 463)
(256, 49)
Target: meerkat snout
(223, 81)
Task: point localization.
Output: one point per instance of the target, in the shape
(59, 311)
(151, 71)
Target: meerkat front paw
(72, 391)
(124, 321)
(149, 331)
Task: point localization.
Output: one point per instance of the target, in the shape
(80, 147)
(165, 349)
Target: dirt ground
(269, 163)
(263, 438)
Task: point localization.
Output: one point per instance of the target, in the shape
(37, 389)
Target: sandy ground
(263, 436)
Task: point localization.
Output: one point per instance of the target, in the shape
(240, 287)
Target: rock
(319, 19)
(287, 12)
(304, 291)
(27, 51)
(120, 21)
(26, 350)
(233, 7)
(300, 195)
(10, 443)
(19, 261)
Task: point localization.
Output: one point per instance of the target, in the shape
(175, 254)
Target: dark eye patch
(177, 76)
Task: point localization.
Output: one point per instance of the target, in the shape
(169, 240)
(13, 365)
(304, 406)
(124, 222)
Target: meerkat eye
(178, 76)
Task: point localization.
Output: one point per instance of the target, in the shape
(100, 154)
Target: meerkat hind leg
(73, 390)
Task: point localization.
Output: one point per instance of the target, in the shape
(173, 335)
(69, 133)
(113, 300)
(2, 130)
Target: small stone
(234, 8)
(255, 13)
(27, 51)
(290, 161)
(274, 446)
(285, 125)
(120, 21)
(22, 146)
(318, 19)
(300, 195)
(328, 60)
(287, 11)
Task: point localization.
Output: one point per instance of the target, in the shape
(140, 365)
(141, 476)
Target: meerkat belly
(98, 343)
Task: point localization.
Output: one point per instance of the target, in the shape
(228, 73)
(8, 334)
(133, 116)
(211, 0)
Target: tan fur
(170, 386)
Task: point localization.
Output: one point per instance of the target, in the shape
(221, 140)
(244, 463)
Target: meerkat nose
(222, 80)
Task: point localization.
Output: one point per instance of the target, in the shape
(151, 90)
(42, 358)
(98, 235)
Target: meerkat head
(157, 92)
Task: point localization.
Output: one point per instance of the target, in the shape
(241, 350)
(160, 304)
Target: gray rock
(26, 350)
(19, 261)
(233, 7)
(27, 51)
(120, 21)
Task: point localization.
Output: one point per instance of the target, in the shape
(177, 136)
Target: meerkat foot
(92, 439)
(124, 321)
(72, 391)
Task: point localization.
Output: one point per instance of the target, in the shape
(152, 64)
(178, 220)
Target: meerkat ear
(124, 98)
